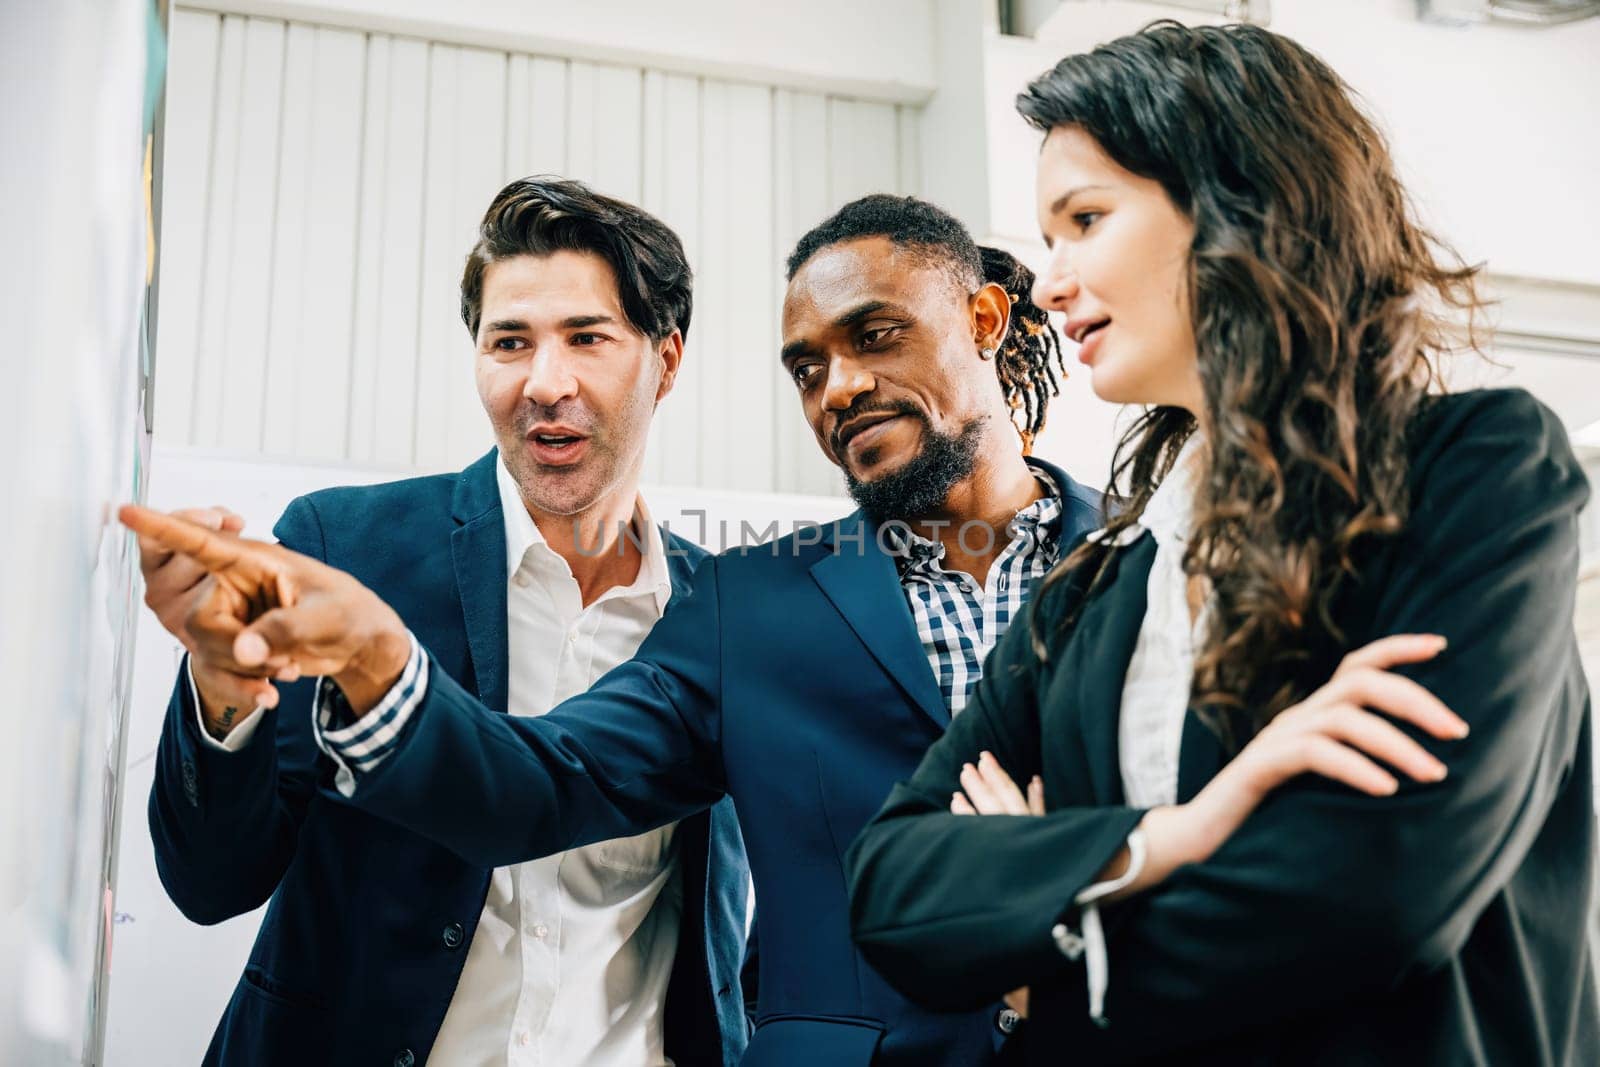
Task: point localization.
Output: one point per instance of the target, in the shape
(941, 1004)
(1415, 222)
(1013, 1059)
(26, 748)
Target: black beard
(919, 488)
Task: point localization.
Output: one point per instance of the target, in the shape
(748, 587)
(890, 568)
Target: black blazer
(1443, 925)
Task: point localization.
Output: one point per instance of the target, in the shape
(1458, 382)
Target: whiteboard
(80, 90)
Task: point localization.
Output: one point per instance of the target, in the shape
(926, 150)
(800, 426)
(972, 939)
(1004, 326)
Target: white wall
(1494, 127)
(1494, 130)
(881, 50)
(325, 184)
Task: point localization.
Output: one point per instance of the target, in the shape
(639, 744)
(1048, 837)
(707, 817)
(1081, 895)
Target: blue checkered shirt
(960, 621)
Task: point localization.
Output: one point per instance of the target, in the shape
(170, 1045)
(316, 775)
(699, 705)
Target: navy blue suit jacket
(790, 679)
(369, 922)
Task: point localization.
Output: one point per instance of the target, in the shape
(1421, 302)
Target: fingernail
(1442, 641)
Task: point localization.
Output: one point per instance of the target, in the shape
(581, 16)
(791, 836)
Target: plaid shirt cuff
(358, 745)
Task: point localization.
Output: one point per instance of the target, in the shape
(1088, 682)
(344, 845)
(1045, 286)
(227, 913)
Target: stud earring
(986, 353)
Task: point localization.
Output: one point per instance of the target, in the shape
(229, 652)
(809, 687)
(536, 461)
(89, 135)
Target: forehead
(844, 276)
(551, 285)
(1070, 158)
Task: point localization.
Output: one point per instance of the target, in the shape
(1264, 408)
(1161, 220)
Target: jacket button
(453, 935)
(404, 1058)
(191, 784)
(1006, 1020)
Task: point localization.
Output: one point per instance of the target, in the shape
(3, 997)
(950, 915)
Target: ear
(670, 349)
(991, 311)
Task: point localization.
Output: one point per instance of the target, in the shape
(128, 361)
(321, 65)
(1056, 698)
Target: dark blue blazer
(369, 922)
(791, 679)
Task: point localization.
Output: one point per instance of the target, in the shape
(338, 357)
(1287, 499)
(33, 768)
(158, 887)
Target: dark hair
(1030, 354)
(1318, 307)
(909, 223)
(540, 215)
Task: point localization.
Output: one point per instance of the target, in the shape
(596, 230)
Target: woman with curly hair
(1305, 737)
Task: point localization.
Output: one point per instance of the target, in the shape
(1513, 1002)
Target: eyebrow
(578, 322)
(505, 325)
(572, 322)
(795, 349)
(865, 311)
(1061, 201)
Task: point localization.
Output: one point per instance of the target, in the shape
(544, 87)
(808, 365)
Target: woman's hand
(989, 790)
(1343, 731)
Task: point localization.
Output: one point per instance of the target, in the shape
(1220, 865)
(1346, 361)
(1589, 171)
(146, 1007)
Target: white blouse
(1155, 693)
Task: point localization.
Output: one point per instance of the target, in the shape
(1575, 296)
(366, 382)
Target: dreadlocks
(1030, 361)
(1030, 356)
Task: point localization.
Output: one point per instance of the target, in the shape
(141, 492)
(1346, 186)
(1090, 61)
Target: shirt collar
(1168, 515)
(522, 534)
(1041, 519)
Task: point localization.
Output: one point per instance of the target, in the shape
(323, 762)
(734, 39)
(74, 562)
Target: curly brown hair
(1319, 305)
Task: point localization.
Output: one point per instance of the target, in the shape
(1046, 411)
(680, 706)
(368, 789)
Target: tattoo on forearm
(225, 723)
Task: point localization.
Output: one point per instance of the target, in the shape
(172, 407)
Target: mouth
(1080, 330)
(863, 424)
(556, 445)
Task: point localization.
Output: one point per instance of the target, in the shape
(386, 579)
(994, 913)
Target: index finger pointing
(210, 550)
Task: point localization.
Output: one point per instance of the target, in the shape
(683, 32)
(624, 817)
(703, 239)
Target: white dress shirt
(571, 956)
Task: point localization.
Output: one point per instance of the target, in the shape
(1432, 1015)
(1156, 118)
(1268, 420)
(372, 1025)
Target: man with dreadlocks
(803, 678)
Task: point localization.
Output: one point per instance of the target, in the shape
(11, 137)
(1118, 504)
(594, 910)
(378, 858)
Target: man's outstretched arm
(641, 749)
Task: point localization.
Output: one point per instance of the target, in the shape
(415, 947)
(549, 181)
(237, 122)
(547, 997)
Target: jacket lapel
(683, 557)
(1100, 651)
(860, 580)
(478, 548)
(1200, 756)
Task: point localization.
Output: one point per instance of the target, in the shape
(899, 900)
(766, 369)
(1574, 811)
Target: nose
(550, 377)
(1057, 284)
(847, 379)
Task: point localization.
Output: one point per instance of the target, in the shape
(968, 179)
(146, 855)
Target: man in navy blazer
(802, 678)
(379, 945)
